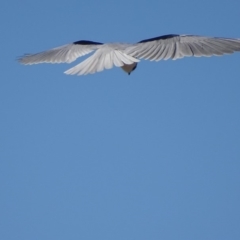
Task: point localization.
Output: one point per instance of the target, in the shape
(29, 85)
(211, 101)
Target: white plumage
(127, 56)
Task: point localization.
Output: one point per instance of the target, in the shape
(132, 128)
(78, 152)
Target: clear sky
(154, 155)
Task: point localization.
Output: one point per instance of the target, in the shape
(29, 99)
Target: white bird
(127, 56)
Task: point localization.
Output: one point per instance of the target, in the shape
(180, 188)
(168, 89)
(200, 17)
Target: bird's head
(128, 68)
(133, 69)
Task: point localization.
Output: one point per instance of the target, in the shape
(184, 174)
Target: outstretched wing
(104, 58)
(63, 54)
(179, 46)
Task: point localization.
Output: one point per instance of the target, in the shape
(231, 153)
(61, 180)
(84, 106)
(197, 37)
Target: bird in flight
(126, 56)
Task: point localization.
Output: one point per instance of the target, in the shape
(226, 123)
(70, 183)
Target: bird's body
(127, 56)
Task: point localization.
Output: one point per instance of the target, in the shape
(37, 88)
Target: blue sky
(154, 155)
